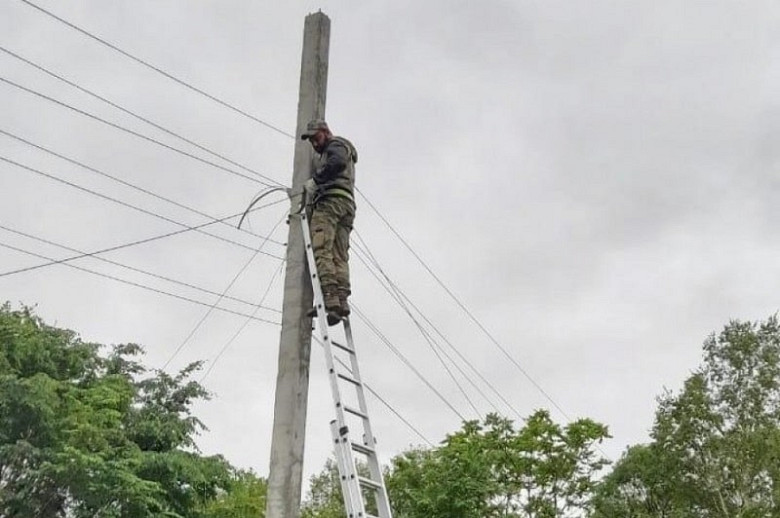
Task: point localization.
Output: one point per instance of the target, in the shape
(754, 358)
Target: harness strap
(336, 191)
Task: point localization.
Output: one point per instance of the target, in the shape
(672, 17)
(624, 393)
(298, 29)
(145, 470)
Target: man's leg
(323, 234)
(341, 253)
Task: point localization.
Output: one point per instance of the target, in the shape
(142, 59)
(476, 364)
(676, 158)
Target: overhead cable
(465, 309)
(362, 316)
(437, 350)
(397, 414)
(131, 185)
(139, 285)
(360, 242)
(127, 267)
(388, 405)
(126, 245)
(158, 70)
(139, 117)
(233, 338)
(125, 204)
(134, 133)
(400, 298)
(221, 296)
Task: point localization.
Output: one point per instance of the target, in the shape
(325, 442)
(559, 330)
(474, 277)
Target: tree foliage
(487, 469)
(245, 497)
(88, 431)
(86, 435)
(715, 449)
(493, 469)
(325, 499)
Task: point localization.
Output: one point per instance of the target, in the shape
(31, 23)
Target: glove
(310, 186)
(310, 190)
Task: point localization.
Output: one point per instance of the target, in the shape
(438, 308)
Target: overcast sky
(596, 181)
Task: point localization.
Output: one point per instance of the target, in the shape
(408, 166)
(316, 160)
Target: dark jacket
(337, 169)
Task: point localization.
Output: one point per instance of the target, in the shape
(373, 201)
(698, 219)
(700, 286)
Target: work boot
(332, 305)
(332, 316)
(343, 304)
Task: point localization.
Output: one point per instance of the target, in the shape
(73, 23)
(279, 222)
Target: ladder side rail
(381, 497)
(347, 489)
(353, 497)
(319, 302)
(349, 478)
(368, 438)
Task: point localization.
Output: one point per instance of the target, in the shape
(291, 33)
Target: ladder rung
(342, 347)
(349, 379)
(355, 411)
(362, 448)
(369, 483)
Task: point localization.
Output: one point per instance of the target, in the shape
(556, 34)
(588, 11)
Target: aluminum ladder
(351, 412)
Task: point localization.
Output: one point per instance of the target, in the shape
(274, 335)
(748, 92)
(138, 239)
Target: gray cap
(313, 127)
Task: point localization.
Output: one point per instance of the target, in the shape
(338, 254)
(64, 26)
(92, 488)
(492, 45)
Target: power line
(397, 414)
(131, 268)
(241, 328)
(403, 358)
(131, 185)
(158, 70)
(362, 244)
(403, 301)
(125, 204)
(435, 348)
(134, 133)
(389, 406)
(465, 309)
(376, 395)
(400, 298)
(137, 285)
(137, 116)
(220, 297)
(369, 388)
(366, 385)
(404, 296)
(397, 295)
(127, 245)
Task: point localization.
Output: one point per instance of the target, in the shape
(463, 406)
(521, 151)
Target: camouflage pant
(331, 223)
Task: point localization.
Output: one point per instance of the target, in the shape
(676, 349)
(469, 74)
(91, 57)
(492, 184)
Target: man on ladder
(330, 194)
(330, 205)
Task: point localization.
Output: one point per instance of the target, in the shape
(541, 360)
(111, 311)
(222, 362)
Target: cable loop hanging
(262, 194)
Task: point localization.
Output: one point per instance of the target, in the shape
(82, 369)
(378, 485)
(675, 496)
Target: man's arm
(336, 156)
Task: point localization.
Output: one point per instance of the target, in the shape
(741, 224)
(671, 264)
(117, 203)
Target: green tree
(245, 497)
(554, 473)
(492, 469)
(325, 499)
(453, 480)
(641, 486)
(83, 435)
(715, 449)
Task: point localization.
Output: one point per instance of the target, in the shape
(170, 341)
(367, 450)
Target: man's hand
(310, 190)
(310, 186)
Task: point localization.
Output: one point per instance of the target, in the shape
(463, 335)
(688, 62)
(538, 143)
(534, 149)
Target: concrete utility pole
(292, 382)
